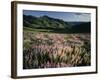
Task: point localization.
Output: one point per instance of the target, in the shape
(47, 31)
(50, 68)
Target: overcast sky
(66, 16)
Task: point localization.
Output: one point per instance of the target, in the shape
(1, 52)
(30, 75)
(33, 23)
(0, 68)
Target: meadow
(46, 49)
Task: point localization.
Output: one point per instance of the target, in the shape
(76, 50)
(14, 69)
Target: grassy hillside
(55, 25)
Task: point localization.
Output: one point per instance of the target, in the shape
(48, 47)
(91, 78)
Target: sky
(66, 16)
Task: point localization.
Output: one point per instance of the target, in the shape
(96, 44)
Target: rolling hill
(56, 25)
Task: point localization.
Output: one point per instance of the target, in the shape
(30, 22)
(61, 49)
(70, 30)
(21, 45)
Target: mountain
(44, 22)
(82, 27)
(75, 23)
(57, 25)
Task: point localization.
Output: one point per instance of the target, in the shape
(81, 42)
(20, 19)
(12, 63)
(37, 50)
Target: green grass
(37, 30)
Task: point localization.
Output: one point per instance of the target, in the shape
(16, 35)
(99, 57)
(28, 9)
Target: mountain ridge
(46, 22)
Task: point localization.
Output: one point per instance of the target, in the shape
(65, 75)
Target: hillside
(55, 25)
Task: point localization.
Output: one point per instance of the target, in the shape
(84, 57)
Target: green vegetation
(55, 25)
